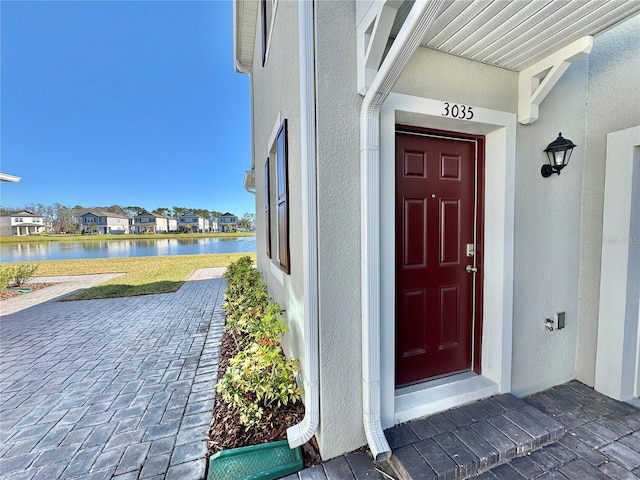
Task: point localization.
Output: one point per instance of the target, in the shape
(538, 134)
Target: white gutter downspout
(303, 431)
(406, 43)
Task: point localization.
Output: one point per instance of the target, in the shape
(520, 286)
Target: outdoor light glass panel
(559, 153)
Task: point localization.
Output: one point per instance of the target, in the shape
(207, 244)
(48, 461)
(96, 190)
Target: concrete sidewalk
(116, 388)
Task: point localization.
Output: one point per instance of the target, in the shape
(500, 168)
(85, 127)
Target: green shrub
(244, 311)
(7, 274)
(16, 275)
(259, 375)
(23, 273)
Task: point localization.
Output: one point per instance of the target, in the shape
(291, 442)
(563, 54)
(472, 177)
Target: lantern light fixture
(558, 153)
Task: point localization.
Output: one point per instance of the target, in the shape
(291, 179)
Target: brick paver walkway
(115, 388)
(124, 389)
(601, 441)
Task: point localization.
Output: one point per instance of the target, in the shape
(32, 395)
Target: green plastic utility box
(20, 289)
(268, 461)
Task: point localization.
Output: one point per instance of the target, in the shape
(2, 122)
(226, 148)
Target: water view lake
(35, 251)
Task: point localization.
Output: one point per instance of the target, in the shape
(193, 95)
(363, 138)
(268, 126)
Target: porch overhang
(542, 35)
(539, 39)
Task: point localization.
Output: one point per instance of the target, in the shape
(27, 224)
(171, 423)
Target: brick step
(467, 440)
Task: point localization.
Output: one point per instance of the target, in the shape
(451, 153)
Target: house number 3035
(457, 111)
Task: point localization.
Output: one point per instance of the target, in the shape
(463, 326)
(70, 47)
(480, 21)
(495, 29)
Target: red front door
(436, 238)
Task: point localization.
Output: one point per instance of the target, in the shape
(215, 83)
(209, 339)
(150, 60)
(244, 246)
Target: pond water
(36, 251)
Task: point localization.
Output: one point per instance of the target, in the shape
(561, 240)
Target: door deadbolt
(471, 249)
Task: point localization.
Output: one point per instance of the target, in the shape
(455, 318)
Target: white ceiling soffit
(515, 34)
(245, 17)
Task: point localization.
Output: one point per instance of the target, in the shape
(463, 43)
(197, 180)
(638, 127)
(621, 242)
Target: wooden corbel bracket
(536, 81)
(372, 37)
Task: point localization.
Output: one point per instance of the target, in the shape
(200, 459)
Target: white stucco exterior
(547, 247)
(274, 89)
(339, 238)
(543, 237)
(618, 347)
(613, 104)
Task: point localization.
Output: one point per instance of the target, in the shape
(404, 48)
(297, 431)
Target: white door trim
(499, 129)
(618, 346)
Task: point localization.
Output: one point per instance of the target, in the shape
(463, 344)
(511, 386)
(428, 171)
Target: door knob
(471, 269)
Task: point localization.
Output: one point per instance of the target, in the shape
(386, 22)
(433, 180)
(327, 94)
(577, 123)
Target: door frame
(479, 140)
(617, 355)
(499, 130)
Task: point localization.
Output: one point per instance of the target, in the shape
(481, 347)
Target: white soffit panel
(245, 25)
(515, 34)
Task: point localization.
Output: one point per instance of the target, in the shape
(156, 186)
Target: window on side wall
(282, 197)
(277, 229)
(267, 16)
(267, 208)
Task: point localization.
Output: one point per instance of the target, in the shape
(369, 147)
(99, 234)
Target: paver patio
(115, 388)
(600, 439)
(124, 389)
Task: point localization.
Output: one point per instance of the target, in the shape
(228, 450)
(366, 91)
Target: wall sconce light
(559, 152)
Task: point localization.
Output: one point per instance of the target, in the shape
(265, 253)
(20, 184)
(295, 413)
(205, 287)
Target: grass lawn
(142, 275)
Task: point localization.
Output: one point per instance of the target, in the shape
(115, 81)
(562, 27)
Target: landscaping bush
(16, 275)
(23, 273)
(259, 375)
(6, 276)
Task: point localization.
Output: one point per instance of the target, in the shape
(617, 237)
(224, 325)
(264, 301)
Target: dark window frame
(282, 196)
(265, 29)
(267, 207)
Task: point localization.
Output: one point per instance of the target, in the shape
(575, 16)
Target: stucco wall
(440, 76)
(613, 104)
(338, 137)
(550, 242)
(547, 211)
(547, 242)
(547, 239)
(558, 220)
(275, 93)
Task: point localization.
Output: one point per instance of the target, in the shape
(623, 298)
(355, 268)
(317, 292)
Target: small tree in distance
(246, 221)
(92, 227)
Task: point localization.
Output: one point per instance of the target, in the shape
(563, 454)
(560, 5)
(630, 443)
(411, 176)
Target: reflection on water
(34, 251)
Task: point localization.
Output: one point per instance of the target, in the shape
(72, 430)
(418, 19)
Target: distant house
(228, 223)
(190, 222)
(22, 223)
(153, 223)
(103, 222)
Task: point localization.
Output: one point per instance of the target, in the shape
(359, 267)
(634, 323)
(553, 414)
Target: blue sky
(128, 103)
